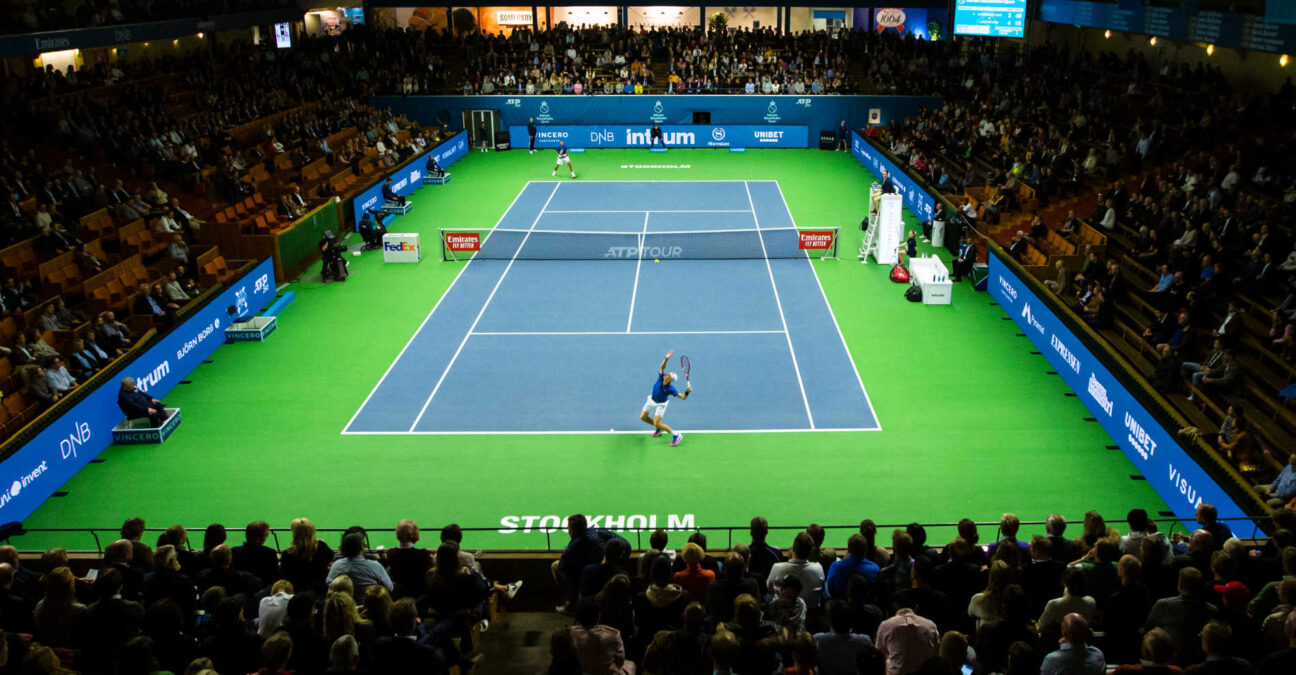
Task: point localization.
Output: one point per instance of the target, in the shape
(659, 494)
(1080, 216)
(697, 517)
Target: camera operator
(334, 266)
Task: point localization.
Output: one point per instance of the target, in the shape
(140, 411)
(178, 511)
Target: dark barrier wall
(1179, 480)
(818, 113)
(298, 246)
(29, 476)
(409, 177)
(673, 135)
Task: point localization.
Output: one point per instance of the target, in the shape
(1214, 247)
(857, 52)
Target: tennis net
(734, 244)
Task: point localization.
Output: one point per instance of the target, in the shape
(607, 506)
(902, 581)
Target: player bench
(436, 180)
(398, 209)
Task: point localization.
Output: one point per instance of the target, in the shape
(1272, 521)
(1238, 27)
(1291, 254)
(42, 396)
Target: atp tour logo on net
(634, 252)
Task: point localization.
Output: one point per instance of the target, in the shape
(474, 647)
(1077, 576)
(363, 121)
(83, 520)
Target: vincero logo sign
(1168, 469)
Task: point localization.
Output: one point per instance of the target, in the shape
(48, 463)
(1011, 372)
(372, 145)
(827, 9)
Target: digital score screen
(990, 18)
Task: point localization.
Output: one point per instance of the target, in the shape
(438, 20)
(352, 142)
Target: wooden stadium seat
(240, 209)
(258, 199)
(220, 217)
(7, 375)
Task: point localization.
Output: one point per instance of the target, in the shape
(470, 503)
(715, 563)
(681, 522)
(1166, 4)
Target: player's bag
(913, 294)
(899, 274)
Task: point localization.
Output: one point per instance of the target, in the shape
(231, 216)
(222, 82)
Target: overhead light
(1282, 60)
(1210, 49)
(1153, 41)
(1107, 33)
(200, 36)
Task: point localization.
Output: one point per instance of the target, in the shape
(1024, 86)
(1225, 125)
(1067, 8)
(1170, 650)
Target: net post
(836, 241)
(442, 237)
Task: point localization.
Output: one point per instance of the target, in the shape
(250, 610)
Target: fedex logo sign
(398, 246)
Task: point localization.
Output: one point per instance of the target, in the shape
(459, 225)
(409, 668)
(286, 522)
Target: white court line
(779, 302)
(637, 332)
(837, 326)
(639, 264)
(429, 316)
(659, 211)
(481, 312)
(585, 432)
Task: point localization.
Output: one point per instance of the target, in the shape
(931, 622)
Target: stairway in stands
(660, 71)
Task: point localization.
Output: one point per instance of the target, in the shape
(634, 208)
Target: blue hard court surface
(766, 351)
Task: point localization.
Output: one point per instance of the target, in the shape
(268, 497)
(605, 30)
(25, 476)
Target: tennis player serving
(656, 405)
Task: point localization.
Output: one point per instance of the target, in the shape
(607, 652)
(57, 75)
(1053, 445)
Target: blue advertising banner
(673, 136)
(1153, 450)
(915, 198)
(410, 177)
(30, 475)
(816, 113)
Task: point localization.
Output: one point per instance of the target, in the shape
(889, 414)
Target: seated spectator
(41, 389)
(1216, 642)
(433, 169)
(732, 582)
(840, 649)
(87, 262)
(906, 640)
(788, 610)
(306, 562)
(1074, 656)
(1074, 600)
(660, 606)
(166, 582)
(598, 647)
(147, 305)
(585, 548)
(222, 573)
(58, 616)
(60, 380)
(694, 578)
(363, 572)
(113, 335)
(811, 575)
(174, 290)
(1017, 247)
(1285, 660)
(189, 223)
(50, 321)
(1183, 616)
(1283, 488)
(408, 650)
(111, 620)
(408, 565)
(254, 557)
(166, 225)
(454, 589)
(855, 562)
(232, 647)
(594, 577)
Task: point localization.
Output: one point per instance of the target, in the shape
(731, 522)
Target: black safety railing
(1253, 528)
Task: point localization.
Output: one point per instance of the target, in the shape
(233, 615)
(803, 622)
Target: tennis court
(558, 323)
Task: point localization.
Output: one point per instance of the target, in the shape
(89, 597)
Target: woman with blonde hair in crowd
(306, 562)
(341, 617)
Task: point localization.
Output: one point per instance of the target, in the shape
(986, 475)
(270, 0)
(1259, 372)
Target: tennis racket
(684, 366)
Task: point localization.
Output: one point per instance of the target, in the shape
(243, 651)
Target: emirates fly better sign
(815, 239)
(463, 241)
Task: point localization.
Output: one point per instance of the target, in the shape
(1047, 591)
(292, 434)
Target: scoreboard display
(990, 18)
